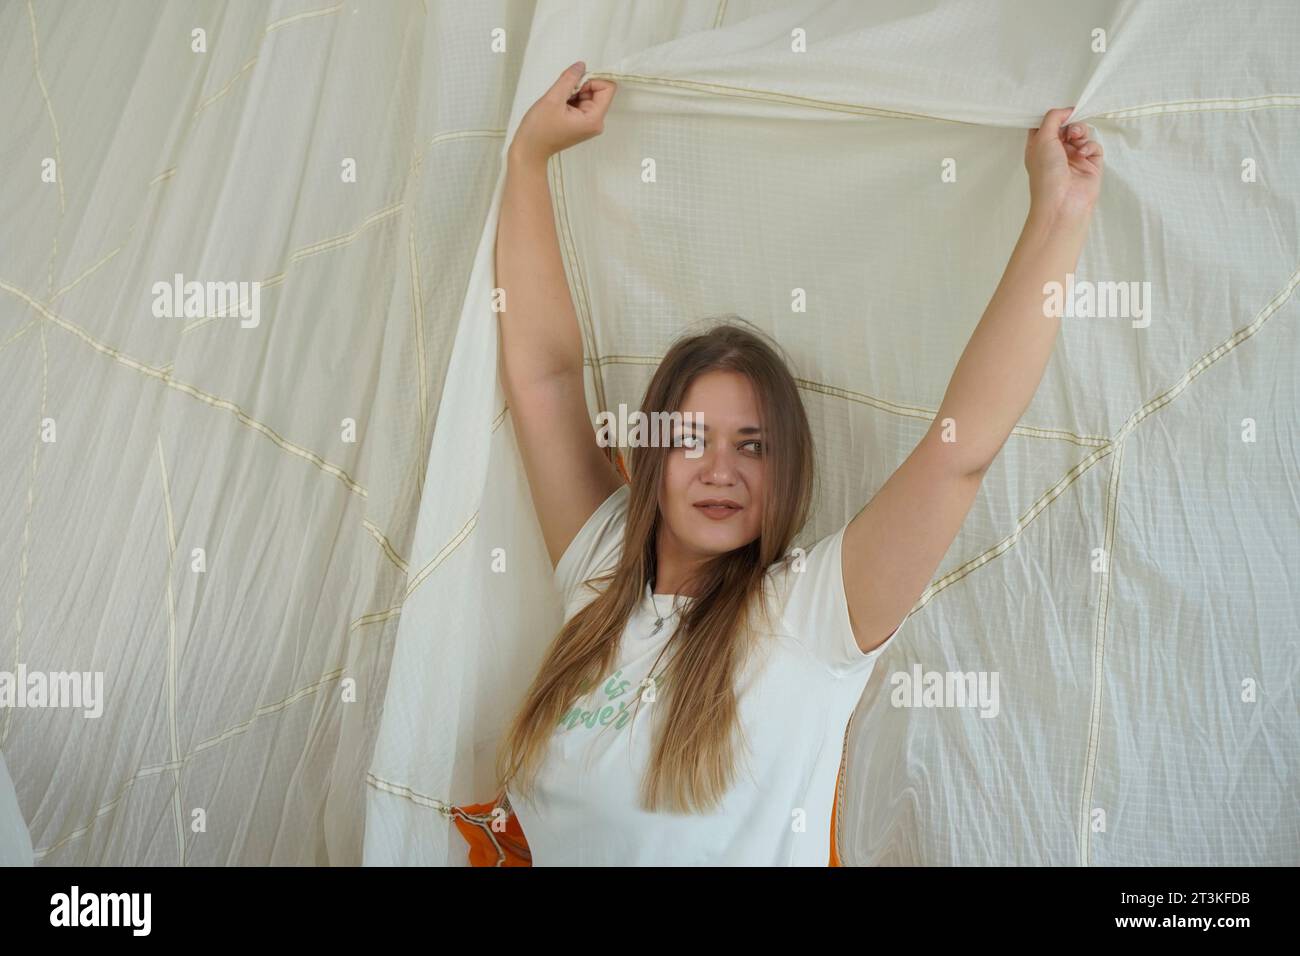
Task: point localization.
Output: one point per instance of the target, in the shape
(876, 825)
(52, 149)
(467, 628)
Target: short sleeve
(816, 610)
(595, 549)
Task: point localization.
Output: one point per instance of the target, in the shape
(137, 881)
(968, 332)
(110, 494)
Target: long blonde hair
(693, 761)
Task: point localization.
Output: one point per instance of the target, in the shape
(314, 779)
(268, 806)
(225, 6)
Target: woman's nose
(718, 464)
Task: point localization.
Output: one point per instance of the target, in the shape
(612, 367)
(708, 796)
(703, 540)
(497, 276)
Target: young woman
(692, 709)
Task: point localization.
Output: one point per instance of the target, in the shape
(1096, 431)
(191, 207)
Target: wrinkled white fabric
(342, 666)
(249, 691)
(15, 841)
(1147, 708)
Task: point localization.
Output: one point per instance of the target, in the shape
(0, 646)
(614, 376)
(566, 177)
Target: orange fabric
(486, 846)
(835, 856)
(622, 468)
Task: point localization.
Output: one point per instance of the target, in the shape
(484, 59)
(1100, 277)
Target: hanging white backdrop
(1148, 714)
(251, 690)
(344, 663)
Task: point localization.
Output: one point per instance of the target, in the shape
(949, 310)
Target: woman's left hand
(1064, 165)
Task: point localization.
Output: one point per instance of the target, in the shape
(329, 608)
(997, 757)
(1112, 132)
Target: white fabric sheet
(1148, 714)
(15, 841)
(250, 691)
(342, 668)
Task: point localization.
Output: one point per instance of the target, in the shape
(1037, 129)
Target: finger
(563, 88)
(602, 94)
(1052, 121)
(587, 94)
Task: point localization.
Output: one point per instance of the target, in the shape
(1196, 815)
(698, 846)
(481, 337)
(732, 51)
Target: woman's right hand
(562, 117)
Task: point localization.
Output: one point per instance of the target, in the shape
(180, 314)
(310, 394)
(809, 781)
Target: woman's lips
(718, 512)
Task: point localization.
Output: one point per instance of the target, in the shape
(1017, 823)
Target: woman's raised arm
(893, 546)
(540, 356)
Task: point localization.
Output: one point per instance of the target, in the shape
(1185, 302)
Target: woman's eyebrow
(747, 430)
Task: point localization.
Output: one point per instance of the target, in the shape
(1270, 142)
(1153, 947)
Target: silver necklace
(659, 618)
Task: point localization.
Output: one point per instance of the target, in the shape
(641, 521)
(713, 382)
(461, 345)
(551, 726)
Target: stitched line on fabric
(774, 96)
(235, 731)
(1272, 101)
(485, 132)
(164, 175)
(386, 545)
(165, 377)
(1099, 655)
(170, 172)
(1275, 101)
(31, 324)
(27, 532)
(417, 316)
(449, 811)
(94, 268)
(375, 617)
(1023, 522)
(305, 252)
(41, 852)
(839, 787)
(59, 150)
(1212, 356)
(406, 793)
(456, 541)
(275, 25)
(170, 520)
(104, 260)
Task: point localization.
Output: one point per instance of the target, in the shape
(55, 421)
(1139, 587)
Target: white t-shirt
(795, 696)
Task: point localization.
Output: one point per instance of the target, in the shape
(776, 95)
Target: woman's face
(727, 463)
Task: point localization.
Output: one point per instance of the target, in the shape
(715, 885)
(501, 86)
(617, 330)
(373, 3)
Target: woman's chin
(717, 540)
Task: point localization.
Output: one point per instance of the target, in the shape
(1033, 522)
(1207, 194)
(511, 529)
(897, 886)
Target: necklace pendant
(659, 623)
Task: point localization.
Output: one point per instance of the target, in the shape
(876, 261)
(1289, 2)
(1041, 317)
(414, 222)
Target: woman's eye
(758, 449)
(686, 441)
